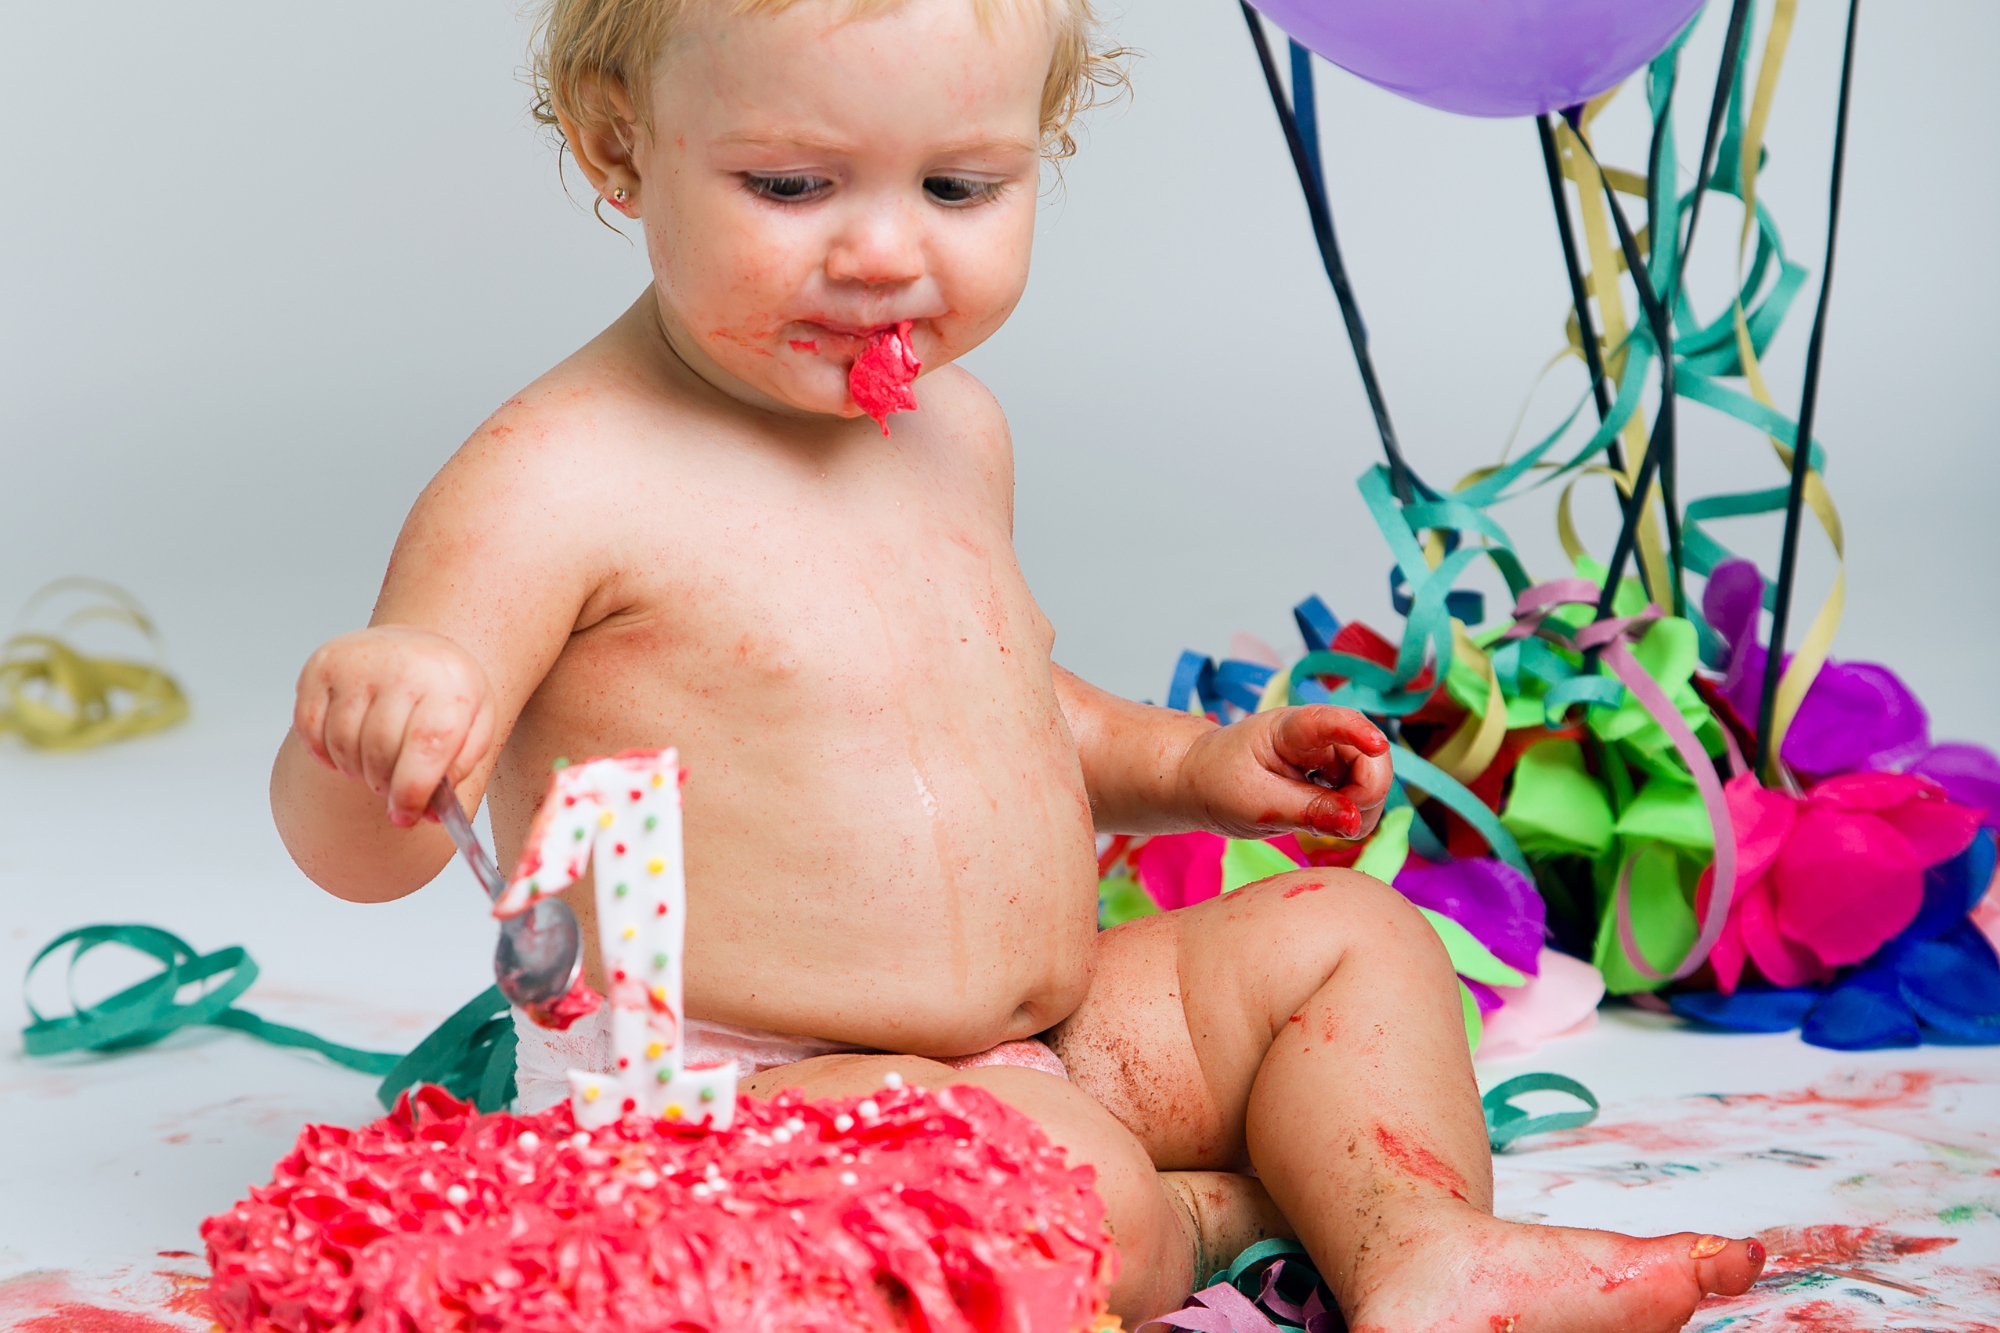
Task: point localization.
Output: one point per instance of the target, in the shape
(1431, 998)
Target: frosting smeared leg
(881, 378)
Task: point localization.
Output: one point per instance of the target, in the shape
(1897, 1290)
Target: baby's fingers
(1332, 814)
(309, 722)
(1314, 736)
(381, 743)
(432, 741)
(346, 713)
(1368, 779)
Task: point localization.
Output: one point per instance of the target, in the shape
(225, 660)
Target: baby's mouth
(880, 378)
(844, 337)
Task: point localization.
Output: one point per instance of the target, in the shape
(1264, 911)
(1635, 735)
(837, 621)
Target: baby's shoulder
(558, 443)
(965, 401)
(954, 399)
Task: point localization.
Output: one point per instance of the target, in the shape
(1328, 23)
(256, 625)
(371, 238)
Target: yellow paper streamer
(1471, 748)
(1606, 264)
(1607, 261)
(1566, 533)
(56, 697)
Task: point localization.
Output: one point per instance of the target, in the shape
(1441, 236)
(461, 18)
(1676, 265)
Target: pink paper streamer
(1611, 636)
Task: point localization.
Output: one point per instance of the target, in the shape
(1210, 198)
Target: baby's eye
(959, 190)
(786, 189)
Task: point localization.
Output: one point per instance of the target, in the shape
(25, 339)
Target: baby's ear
(602, 127)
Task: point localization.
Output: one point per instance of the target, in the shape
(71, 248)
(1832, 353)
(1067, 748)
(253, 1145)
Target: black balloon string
(1400, 476)
(1768, 765)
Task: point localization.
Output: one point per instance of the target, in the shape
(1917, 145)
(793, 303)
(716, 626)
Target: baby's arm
(1153, 770)
(488, 579)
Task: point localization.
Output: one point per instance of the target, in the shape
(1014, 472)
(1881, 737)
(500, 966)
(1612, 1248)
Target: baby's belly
(918, 875)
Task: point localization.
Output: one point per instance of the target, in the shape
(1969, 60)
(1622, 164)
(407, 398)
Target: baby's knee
(1327, 909)
(1334, 894)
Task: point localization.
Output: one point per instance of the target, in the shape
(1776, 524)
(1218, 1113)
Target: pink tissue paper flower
(1827, 878)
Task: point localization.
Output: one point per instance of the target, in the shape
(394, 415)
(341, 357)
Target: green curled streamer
(143, 1013)
(1274, 1248)
(1506, 1122)
(470, 1055)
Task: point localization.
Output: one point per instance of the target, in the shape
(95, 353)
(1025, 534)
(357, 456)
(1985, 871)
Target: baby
(690, 533)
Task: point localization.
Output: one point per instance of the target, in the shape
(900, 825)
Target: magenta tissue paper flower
(1826, 879)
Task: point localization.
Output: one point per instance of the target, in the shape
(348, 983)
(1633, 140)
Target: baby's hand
(396, 709)
(1254, 778)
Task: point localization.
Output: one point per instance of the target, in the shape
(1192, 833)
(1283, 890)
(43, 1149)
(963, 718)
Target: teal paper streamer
(1506, 1122)
(143, 1013)
(1420, 772)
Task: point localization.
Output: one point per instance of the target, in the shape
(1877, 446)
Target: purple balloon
(1487, 57)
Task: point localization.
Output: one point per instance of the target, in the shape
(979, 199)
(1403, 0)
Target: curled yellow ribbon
(57, 697)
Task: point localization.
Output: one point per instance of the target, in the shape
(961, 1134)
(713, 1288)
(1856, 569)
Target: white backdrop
(264, 266)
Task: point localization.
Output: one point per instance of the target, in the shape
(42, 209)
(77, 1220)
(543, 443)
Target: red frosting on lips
(961, 1218)
(579, 1002)
(881, 378)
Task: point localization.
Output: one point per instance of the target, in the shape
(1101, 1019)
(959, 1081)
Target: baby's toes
(1723, 1267)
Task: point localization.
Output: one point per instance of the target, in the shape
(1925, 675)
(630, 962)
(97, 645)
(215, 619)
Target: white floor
(1874, 1178)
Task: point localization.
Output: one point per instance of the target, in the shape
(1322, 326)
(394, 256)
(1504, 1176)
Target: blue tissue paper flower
(1937, 981)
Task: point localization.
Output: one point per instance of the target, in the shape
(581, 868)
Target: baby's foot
(1465, 1271)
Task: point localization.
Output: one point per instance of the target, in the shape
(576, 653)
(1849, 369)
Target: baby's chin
(799, 380)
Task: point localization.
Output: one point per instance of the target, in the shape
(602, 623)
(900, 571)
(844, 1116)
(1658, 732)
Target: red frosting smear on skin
(946, 1211)
(804, 344)
(1419, 1161)
(579, 1002)
(881, 378)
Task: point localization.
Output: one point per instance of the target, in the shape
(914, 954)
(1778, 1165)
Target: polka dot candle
(624, 814)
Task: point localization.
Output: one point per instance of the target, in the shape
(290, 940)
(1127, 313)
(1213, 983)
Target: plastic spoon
(540, 952)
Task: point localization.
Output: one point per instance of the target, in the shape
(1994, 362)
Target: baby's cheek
(982, 290)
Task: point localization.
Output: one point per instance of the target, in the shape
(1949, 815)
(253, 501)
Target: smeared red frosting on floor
(579, 1002)
(1796, 1248)
(948, 1211)
(881, 378)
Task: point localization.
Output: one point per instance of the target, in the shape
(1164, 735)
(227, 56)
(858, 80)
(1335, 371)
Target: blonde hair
(580, 45)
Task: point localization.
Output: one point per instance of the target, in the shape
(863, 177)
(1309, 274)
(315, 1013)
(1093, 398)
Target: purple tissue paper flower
(1855, 716)
(1491, 899)
(1969, 773)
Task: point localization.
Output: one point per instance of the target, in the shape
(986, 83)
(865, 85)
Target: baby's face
(809, 181)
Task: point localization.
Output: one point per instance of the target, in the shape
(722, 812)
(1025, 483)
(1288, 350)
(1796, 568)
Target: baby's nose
(878, 247)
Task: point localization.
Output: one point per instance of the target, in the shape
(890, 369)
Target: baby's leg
(1157, 1219)
(1310, 1025)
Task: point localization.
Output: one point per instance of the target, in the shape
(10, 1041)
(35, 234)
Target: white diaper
(544, 1057)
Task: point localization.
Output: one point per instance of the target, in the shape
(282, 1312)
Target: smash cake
(654, 1199)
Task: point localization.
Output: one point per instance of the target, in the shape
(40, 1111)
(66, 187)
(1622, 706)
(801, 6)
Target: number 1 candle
(623, 816)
